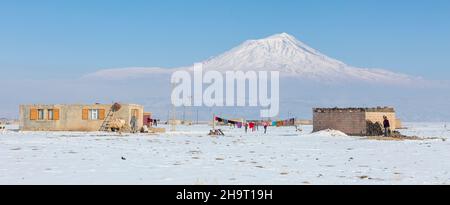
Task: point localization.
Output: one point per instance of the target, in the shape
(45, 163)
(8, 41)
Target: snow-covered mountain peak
(280, 52)
(287, 40)
(291, 57)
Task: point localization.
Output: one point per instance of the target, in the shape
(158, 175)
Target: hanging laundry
(251, 125)
(279, 123)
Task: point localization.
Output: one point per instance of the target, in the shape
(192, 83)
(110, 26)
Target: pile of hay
(374, 129)
(117, 124)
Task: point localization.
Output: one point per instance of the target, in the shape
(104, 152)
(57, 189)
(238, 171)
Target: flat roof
(355, 109)
(101, 104)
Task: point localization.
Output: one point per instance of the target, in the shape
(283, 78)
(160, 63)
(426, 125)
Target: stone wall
(351, 121)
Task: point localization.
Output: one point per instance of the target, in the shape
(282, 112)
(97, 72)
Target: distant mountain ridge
(279, 52)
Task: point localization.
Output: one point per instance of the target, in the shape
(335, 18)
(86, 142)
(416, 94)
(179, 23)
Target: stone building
(62, 117)
(352, 121)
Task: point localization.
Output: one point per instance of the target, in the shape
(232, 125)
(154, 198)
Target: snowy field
(189, 156)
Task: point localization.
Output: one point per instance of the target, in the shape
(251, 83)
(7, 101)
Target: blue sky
(66, 39)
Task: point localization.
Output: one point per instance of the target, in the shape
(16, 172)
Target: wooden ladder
(106, 123)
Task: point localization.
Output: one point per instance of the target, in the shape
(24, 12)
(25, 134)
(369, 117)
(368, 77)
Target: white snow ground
(191, 157)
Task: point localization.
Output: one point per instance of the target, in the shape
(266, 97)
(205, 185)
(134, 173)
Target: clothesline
(278, 123)
(226, 121)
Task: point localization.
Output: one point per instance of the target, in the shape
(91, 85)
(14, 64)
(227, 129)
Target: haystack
(374, 129)
(117, 124)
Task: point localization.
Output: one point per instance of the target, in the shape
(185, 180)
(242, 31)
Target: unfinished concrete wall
(398, 124)
(351, 122)
(72, 117)
(378, 117)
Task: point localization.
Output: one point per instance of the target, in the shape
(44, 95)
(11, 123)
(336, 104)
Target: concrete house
(62, 117)
(352, 121)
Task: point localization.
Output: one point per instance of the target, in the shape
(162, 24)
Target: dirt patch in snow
(397, 136)
(383, 138)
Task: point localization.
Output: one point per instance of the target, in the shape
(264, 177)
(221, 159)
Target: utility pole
(190, 112)
(197, 116)
(174, 115)
(214, 122)
(168, 116)
(184, 114)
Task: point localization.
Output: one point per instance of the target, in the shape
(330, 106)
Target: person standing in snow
(251, 125)
(387, 126)
(265, 124)
(246, 127)
(149, 122)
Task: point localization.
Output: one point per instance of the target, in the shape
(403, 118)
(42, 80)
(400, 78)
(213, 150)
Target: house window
(93, 114)
(40, 114)
(51, 115)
